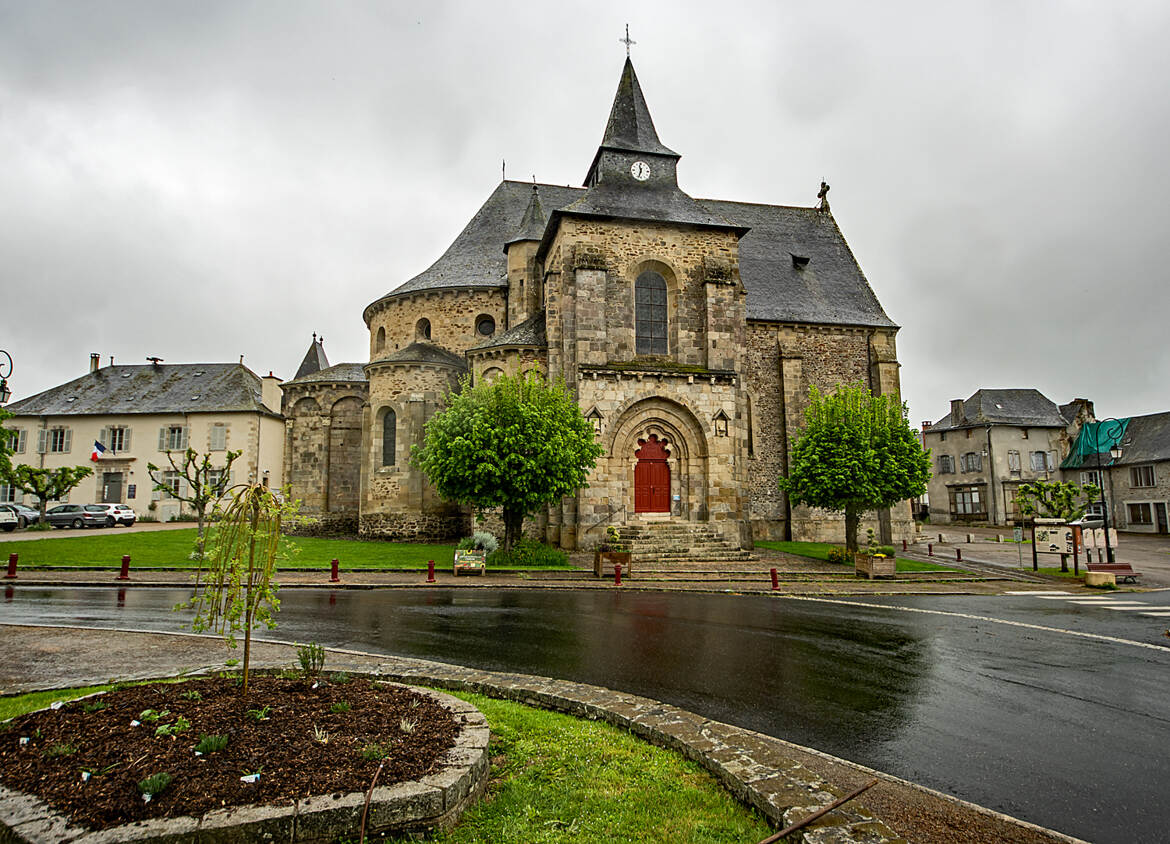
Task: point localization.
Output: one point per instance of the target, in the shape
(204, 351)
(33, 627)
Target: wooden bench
(1122, 571)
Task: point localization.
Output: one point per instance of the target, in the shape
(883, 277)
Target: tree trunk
(513, 524)
(852, 523)
(199, 534)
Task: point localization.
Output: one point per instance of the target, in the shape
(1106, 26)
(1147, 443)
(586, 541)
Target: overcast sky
(203, 180)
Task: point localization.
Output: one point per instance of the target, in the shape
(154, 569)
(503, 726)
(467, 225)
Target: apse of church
(689, 330)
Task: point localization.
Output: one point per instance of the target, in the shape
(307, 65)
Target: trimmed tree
(6, 450)
(1054, 499)
(202, 484)
(857, 452)
(516, 443)
(46, 484)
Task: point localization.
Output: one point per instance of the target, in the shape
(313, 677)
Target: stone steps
(673, 546)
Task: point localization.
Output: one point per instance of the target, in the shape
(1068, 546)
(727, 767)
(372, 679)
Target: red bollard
(617, 574)
(903, 544)
(958, 555)
(334, 576)
(930, 549)
(775, 580)
(124, 574)
(11, 567)
(430, 571)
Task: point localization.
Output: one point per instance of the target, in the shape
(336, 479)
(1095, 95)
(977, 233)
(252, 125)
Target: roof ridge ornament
(823, 196)
(627, 41)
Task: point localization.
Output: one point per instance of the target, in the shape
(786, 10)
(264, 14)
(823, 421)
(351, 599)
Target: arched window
(380, 343)
(650, 313)
(491, 374)
(422, 329)
(389, 437)
(485, 326)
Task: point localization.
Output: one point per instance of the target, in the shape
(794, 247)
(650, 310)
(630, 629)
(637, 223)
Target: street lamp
(1112, 427)
(5, 371)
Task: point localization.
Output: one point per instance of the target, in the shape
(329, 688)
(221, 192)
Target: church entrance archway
(652, 476)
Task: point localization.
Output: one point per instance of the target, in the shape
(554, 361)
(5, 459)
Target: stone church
(690, 331)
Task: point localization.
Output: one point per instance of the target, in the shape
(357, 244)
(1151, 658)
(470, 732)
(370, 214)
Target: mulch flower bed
(88, 757)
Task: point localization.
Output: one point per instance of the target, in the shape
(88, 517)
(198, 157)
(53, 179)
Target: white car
(118, 514)
(8, 520)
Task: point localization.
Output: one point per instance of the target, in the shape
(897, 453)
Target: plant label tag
(57, 704)
(145, 798)
(250, 778)
(135, 723)
(314, 685)
(23, 741)
(197, 753)
(85, 776)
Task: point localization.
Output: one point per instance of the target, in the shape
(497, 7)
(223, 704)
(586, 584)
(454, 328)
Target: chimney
(111, 360)
(95, 361)
(926, 424)
(271, 392)
(957, 417)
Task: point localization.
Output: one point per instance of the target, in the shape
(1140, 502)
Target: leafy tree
(1054, 499)
(5, 444)
(516, 443)
(45, 484)
(238, 592)
(205, 484)
(856, 453)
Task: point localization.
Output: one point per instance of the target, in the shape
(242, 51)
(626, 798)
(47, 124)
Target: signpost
(1052, 536)
(470, 561)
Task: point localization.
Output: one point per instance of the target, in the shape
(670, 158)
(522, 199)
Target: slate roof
(666, 203)
(531, 332)
(830, 289)
(165, 388)
(1146, 439)
(314, 360)
(339, 372)
(1026, 408)
(424, 353)
(533, 224)
(630, 126)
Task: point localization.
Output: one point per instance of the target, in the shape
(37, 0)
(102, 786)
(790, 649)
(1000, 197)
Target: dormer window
(799, 261)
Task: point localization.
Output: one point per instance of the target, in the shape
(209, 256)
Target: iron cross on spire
(627, 41)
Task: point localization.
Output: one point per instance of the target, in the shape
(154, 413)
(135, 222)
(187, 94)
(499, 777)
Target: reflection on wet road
(1064, 731)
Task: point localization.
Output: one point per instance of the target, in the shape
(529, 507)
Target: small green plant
(481, 540)
(837, 554)
(231, 663)
(94, 705)
(339, 707)
(150, 716)
(320, 734)
(260, 714)
(180, 725)
(312, 659)
(192, 695)
(528, 553)
(60, 748)
(288, 674)
(210, 744)
(613, 541)
(155, 784)
(374, 752)
(339, 678)
(406, 725)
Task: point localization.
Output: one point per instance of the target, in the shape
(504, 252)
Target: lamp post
(1111, 427)
(5, 371)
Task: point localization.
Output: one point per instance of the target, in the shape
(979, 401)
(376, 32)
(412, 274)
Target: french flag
(98, 451)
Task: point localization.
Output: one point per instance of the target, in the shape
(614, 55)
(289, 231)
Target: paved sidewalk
(54, 657)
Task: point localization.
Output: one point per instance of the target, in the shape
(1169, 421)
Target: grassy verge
(557, 778)
(820, 551)
(170, 549)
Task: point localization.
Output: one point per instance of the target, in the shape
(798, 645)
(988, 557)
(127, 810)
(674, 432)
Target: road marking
(1100, 637)
(1037, 594)
(1158, 614)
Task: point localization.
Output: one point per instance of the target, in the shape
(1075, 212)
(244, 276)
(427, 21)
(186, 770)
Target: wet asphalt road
(1050, 710)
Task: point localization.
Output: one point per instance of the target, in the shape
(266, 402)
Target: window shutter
(218, 437)
(162, 439)
(184, 489)
(1052, 461)
(21, 441)
(183, 438)
(125, 439)
(155, 494)
(104, 437)
(42, 435)
(68, 440)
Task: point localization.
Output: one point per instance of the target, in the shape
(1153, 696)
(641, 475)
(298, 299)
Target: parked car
(77, 515)
(25, 516)
(118, 514)
(8, 520)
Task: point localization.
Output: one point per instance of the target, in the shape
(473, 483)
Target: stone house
(1136, 485)
(689, 330)
(138, 413)
(991, 443)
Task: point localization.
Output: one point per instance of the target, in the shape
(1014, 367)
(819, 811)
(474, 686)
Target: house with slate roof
(690, 330)
(991, 443)
(1137, 483)
(138, 413)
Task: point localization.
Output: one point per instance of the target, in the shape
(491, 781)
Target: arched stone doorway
(652, 476)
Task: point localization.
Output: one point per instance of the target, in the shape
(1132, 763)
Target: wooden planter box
(871, 567)
(603, 562)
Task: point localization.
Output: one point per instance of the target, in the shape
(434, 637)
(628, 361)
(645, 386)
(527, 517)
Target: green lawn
(820, 551)
(557, 778)
(170, 548)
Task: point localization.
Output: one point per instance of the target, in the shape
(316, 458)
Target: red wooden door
(651, 478)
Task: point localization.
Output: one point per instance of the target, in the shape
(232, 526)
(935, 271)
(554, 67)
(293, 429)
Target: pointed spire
(315, 359)
(630, 126)
(533, 222)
